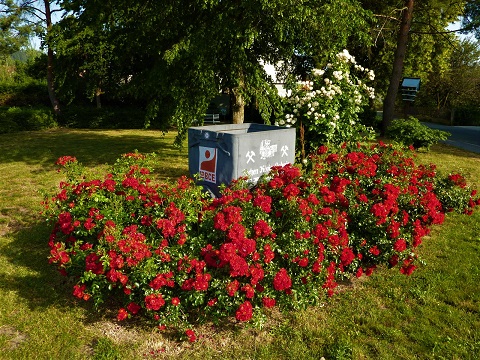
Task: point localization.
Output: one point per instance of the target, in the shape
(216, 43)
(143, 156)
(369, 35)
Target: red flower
(347, 256)
(232, 287)
(275, 183)
(154, 301)
(249, 291)
(268, 254)
(201, 282)
(256, 273)
(281, 280)
(290, 191)
(64, 160)
(133, 308)
(175, 301)
(268, 302)
(191, 335)
(122, 314)
(261, 228)
(374, 250)
(212, 302)
(393, 260)
(263, 202)
(322, 150)
(244, 311)
(400, 245)
(93, 264)
(303, 262)
(78, 290)
(238, 266)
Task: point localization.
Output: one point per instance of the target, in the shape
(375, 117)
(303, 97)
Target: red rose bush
(168, 252)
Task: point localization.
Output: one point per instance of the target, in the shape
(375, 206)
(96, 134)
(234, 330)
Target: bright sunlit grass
(433, 314)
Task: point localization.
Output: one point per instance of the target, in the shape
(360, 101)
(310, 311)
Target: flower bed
(168, 252)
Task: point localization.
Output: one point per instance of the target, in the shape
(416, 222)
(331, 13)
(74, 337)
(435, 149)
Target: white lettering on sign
(267, 150)
(208, 163)
(284, 150)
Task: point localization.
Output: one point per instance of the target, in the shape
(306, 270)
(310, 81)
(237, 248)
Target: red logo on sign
(208, 164)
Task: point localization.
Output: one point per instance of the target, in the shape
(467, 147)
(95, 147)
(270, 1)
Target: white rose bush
(326, 107)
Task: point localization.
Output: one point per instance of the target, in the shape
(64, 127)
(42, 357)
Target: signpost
(409, 90)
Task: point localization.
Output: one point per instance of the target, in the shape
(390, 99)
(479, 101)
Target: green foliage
(471, 19)
(411, 132)
(14, 119)
(177, 58)
(28, 93)
(457, 86)
(107, 117)
(428, 44)
(14, 32)
(105, 350)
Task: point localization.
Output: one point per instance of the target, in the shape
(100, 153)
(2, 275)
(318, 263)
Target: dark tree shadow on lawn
(90, 147)
(42, 286)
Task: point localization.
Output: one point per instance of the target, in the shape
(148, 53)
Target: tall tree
(397, 68)
(414, 52)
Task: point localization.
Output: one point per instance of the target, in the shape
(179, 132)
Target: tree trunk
(389, 102)
(238, 107)
(98, 93)
(50, 76)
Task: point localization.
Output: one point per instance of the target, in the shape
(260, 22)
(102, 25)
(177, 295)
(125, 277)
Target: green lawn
(433, 314)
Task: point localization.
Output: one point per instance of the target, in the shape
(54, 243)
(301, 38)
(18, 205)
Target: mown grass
(433, 314)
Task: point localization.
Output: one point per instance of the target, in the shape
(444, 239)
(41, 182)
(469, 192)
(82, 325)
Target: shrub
(411, 132)
(103, 118)
(32, 93)
(18, 119)
(168, 252)
(326, 108)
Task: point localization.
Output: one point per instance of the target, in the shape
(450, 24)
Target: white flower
(318, 72)
(345, 57)
(282, 122)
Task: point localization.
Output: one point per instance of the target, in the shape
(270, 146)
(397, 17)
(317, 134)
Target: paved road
(463, 137)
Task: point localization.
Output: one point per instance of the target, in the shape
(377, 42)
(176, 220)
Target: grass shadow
(34, 279)
(90, 147)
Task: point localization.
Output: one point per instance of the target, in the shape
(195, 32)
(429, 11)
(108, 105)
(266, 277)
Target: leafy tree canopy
(179, 55)
(14, 32)
(471, 18)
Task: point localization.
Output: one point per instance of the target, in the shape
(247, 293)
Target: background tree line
(165, 61)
